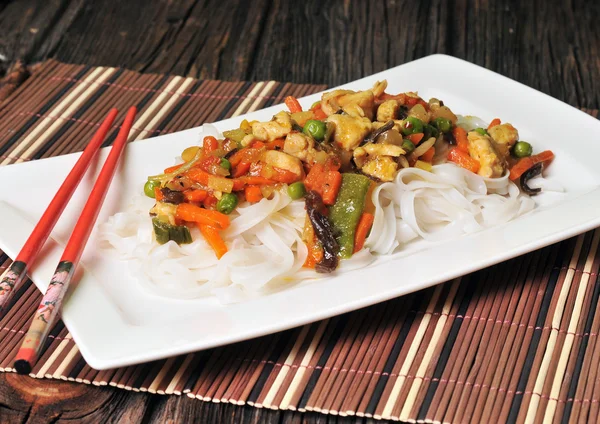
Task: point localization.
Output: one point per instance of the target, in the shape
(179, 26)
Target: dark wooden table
(553, 46)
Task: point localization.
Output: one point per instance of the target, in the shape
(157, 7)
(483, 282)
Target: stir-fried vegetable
(330, 157)
(522, 149)
(347, 210)
(164, 231)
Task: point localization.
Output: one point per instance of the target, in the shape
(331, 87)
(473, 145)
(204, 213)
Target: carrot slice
(214, 239)
(495, 121)
(253, 193)
(251, 180)
(192, 213)
(463, 160)
(173, 168)
(158, 195)
(525, 163)
(318, 112)
(276, 144)
(210, 144)
(280, 175)
(462, 142)
(293, 105)
(545, 156)
(325, 181)
(195, 195)
(428, 155)
(241, 169)
(362, 229)
(416, 138)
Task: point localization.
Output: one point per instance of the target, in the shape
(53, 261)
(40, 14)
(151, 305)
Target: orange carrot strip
(318, 112)
(278, 143)
(210, 144)
(362, 229)
(173, 168)
(214, 239)
(198, 175)
(525, 163)
(237, 157)
(253, 193)
(207, 163)
(428, 155)
(545, 156)
(158, 195)
(195, 195)
(192, 213)
(293, 105)
(495, 121)
(251, 180)
(280, 175)
(241, 169)
(416, 138)
(462, 142)
(463, 160)
(324, 181)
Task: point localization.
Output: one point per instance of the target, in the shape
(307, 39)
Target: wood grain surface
(552, 46)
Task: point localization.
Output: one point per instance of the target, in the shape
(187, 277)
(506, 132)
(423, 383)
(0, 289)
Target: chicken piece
(482, 149)
(371, 151)
(354, 103)
(349, 131)
(302, 147)
(379, 88)
(278, 127)
(376, 149)
(398, 123)
(388, 110)
(283, 161)
(382, 168)
(505, 136)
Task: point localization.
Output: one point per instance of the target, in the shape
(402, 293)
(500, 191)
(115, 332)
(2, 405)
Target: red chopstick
(47, 311)
(15, 274)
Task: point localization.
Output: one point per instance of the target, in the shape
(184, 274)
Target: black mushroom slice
(172, 196)
(534, 171)
(373, 136)
(231, 153)
(324, 232)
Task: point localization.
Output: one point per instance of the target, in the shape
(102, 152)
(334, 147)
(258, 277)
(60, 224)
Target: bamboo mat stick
(387, 410)
(556, 318)
(574, 319)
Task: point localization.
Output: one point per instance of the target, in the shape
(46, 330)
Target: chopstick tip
(22, 366)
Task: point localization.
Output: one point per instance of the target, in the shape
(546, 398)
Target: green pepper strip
(347, 209)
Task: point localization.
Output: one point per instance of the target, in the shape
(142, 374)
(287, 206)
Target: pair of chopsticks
(47, 312)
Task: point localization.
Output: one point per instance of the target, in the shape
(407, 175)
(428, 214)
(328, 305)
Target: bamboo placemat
(515, 342)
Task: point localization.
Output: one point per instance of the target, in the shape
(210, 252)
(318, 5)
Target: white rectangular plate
(115, 323)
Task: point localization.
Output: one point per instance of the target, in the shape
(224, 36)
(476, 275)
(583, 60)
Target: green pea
(296, 190)
(412, 125)
(227, 203)
(522, 149)
(430, 131)
(316, 129)
(149, 188)
(225, 164)
(408, 146)
(481, 131)
(443, 124)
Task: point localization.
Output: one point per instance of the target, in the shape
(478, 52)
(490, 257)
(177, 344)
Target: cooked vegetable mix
(330, 157)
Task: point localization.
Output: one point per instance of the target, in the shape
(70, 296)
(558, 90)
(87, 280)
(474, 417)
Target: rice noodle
(440, 205)
(266, 251)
